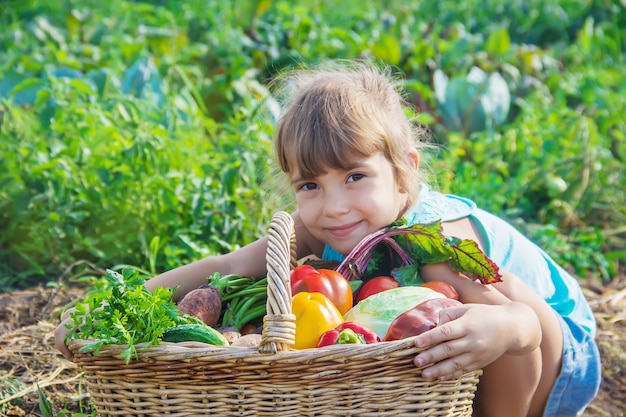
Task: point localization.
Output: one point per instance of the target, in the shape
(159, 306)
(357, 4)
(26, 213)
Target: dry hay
(28, 356)
(609, 306)
(28, 359)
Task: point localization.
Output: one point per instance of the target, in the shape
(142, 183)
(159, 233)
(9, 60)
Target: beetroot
(226, 301)
(204, 303)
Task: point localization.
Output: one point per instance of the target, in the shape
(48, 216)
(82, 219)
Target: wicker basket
(185, 379)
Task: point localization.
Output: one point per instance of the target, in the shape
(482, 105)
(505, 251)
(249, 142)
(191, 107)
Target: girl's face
(340, 207)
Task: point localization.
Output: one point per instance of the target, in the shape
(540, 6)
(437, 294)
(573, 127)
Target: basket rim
(197, 350)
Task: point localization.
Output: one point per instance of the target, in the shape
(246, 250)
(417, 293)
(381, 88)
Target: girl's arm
(522, 311)
(248, 261)
(508, 317)
(511, 289)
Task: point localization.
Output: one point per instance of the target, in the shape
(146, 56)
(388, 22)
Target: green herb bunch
(125, 312)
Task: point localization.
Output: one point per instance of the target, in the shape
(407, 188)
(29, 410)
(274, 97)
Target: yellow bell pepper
(315, 314)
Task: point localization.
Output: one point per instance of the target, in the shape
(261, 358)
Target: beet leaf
(403, 249)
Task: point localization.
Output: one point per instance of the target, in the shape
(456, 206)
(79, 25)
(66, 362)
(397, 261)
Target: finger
(445, 350)
(65, 351)
(450, 368)
(66, 313)
(440, 352)
(442, 333)
(59, 340)
(449, 314)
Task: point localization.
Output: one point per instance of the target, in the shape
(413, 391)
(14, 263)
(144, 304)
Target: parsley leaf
(124, 311)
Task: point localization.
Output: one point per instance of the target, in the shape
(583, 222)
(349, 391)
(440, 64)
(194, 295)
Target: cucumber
(195, 333)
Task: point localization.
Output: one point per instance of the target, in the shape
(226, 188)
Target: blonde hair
(337, 111)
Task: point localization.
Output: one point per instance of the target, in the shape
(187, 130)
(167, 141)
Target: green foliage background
(139, 132)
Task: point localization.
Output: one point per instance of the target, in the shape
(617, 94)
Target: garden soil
(28, 357)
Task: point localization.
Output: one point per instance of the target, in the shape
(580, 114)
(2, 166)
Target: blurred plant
(472, 103)
(8, 388)
(138, 132)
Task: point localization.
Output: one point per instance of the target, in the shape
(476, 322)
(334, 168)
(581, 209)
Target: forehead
(376, 162)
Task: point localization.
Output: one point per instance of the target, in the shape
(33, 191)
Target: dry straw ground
(28, 357)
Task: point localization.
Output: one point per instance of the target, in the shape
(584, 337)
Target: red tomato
(442, 287)
(332, 284)
(376, 285)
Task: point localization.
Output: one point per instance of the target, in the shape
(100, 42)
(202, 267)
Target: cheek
(306, 208)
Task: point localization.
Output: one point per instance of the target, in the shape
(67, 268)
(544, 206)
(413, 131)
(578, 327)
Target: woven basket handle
(279, 324)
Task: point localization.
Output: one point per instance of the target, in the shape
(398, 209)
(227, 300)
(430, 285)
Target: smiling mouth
(342, 231)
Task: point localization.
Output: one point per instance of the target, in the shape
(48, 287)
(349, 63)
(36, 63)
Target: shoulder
(463, 228)
(432, 206)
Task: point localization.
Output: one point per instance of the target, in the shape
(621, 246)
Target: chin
(344, 248)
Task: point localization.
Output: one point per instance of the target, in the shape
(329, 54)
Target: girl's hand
(61, 332)
(471, 336)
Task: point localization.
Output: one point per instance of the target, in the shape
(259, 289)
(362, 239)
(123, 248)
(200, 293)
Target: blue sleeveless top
(509, 249)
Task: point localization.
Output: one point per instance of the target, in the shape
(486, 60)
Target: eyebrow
(358, 163)
(297, 179)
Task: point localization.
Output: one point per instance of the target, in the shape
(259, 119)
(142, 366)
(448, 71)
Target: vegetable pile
(376, 294)
(228, 302)
(377, 311)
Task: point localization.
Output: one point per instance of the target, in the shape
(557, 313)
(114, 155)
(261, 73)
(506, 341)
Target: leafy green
(475, 102)
(125, 312)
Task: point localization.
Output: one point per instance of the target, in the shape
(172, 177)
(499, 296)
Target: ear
(414, 159)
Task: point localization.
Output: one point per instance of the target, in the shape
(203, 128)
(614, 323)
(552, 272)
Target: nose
(336, 203)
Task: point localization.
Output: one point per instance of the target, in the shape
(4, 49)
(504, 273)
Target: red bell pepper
(332, 284)
(346, 333)
(419, 319)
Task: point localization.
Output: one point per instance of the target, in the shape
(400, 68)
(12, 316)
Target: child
(352, 157)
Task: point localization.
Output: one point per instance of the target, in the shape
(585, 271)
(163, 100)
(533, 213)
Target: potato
(248, 340)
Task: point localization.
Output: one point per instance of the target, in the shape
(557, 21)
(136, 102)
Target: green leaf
(387, 48)
(355, 284)
(499, 42)
(26, 91)
(472, 103)
(10, 80)
(407, 275)
(496, 99)
(126, 312)
(44, 404)
(142, 79)
(471, 261)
